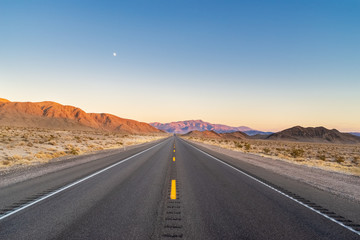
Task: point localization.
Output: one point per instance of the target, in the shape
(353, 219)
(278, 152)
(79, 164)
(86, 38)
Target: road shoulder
(335, 191)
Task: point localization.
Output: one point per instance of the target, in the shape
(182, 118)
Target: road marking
(173, 189)
(173, 159)
(278, 191)
(74, 183)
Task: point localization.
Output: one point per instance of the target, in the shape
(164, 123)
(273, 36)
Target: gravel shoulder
(340, 184)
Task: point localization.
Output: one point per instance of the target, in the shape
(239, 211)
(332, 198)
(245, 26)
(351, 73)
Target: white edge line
(74, 183)
(276, 190)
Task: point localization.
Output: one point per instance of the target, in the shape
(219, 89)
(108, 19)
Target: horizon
(267, 66)
(263, 130)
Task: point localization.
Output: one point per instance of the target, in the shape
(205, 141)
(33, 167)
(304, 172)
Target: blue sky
(265, 64)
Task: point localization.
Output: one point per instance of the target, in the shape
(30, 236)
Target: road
(129, 196)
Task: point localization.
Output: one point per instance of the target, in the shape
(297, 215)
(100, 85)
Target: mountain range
(297, 133)
(63, 117)
(182, 127)
(56, 116)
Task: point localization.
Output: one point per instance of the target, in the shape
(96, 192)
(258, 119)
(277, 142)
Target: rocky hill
(203, 134)
(56, 116)
(297, 134)
(317, 134)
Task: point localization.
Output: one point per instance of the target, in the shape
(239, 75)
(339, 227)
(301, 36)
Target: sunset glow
(269, 66)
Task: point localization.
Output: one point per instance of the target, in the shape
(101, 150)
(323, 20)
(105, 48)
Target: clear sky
(265, 64)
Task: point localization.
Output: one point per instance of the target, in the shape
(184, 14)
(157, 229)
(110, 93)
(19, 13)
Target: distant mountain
(256, 132)
(234, 135)
(56, 116)
(182, 127)
(355, 133)
(317, 134)
(299, 134)
(203, 134)
(214, 135)
(258, 136)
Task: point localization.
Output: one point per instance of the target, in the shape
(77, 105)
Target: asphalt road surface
(167, 190)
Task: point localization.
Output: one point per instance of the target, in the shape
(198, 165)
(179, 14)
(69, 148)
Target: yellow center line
(173, 159)
(173, 189)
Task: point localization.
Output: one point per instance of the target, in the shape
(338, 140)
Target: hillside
(56, 116)
(3, 100)
(182, 127)
(296, 134)
(214, 135)
(355, 133)
(203, 134)
(317, 134)
(234, 135)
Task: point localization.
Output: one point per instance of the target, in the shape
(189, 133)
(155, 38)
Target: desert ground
(28, 146)
(334, 157)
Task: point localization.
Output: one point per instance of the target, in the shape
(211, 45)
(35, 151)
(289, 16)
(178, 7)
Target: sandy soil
(341, 184)
(19, 173)
(31, 146)
(343, 158)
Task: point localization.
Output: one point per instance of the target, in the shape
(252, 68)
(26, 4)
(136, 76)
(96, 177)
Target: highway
(165, 190)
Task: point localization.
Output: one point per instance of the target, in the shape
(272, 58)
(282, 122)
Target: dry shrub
(238, 145)
(339, 159)
(266, 150)
(78, 139)
(14, 157)
(58, 154)
(296, 152)
(5, 162)
(74, 150)
(43, 155)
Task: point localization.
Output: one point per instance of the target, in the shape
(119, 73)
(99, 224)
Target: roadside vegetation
(337, 157)
(25, 146)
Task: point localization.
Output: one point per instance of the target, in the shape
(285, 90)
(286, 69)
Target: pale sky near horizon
(265, 64)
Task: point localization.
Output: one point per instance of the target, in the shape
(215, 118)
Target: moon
(114, 54)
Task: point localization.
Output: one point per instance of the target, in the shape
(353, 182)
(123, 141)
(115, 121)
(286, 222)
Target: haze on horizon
(266, 65)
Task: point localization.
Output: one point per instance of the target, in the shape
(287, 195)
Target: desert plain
(25, 146)
(343, 158)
